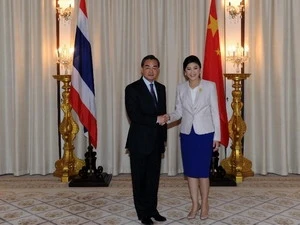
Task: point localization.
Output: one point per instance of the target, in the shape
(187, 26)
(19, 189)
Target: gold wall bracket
(236, 164)
(69, 165)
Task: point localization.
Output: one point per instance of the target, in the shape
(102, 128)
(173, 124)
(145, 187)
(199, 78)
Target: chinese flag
(212, 68)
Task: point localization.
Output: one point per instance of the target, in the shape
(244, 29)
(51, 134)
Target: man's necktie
(153, 94)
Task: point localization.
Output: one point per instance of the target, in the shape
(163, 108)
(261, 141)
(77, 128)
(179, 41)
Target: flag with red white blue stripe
(82, 92)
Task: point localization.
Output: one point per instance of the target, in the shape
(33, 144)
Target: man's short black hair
(151, 57)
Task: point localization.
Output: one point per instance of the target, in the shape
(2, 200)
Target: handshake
(163, 119)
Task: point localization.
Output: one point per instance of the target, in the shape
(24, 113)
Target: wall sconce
(64, 9)
(65, 57)
(234, 11)
(237, 55)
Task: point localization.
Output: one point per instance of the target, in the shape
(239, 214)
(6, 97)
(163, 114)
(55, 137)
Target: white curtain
(28, 92)
(122, 32)
(272, 96)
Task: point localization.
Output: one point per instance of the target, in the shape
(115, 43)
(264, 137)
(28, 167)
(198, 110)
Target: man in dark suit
(146, 109)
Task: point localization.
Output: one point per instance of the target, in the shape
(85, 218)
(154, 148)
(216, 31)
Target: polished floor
(31, 200)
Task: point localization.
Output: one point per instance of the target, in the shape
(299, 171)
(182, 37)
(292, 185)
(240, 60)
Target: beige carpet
(31, 200)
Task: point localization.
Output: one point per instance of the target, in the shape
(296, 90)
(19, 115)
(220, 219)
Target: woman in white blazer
(197, 107)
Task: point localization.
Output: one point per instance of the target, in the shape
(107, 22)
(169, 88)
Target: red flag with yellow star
(212, 68)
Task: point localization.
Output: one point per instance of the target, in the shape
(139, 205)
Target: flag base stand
(89, 176)
(227, 180)
(218, 176)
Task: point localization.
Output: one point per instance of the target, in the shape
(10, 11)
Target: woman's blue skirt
(196, 151)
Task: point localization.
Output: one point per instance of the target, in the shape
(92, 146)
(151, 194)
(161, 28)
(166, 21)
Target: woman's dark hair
(191, 59)
(151, 57)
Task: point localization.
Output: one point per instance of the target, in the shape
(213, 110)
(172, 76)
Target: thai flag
(82, 92)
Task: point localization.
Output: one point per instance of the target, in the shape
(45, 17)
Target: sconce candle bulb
(64, 9)
(237, 55)
(65, 57)
(235, 11)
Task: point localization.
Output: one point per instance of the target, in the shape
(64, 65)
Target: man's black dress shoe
(147, 220)
(159, 218)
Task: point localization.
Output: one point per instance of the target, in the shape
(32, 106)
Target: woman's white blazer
(203, 114)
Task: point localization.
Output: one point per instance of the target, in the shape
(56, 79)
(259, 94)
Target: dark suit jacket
(144, 133)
